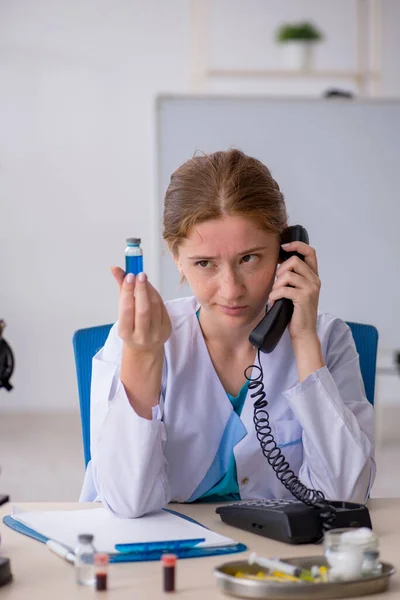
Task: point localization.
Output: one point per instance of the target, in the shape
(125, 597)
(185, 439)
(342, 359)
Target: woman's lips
(232, 310)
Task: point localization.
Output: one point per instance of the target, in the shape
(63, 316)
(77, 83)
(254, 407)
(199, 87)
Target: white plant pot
(298, 56)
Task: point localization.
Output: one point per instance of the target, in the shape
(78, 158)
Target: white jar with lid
(344, 550)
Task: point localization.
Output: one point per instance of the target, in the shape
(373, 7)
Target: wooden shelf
(282, 73)
(365, 76)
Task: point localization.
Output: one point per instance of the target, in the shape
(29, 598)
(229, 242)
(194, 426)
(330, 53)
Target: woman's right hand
(143, 321)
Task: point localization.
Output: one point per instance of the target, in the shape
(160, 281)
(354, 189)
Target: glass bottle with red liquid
(101, 572)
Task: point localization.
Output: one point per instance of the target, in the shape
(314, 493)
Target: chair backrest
(366, 340)
(87, 342)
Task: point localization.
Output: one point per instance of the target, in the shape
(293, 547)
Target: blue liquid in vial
(133, 264)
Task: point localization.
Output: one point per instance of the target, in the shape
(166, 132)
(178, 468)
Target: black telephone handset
(268, 332)
(305, 518)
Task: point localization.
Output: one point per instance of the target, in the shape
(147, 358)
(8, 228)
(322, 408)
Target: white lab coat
(325, 424)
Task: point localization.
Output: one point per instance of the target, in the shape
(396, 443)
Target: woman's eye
(249, 258)
(203, 263)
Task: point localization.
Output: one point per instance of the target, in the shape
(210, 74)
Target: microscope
(6, 371)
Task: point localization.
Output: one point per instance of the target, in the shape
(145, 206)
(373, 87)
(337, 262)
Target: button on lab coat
(324, 424)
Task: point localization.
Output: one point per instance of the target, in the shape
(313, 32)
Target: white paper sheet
(109, 530)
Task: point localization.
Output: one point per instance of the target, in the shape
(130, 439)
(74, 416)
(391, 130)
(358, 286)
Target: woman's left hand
(306, 285)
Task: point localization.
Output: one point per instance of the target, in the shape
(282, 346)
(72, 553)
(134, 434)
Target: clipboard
(148, 555)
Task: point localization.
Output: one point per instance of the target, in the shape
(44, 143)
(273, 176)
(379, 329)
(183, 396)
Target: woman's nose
(231, 285)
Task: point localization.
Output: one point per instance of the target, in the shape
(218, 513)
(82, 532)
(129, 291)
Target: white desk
(39, 574)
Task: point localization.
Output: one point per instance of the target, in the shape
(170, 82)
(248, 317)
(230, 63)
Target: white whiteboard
(338, 165)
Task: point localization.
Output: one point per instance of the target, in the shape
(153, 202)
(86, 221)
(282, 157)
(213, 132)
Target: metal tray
(271, 590)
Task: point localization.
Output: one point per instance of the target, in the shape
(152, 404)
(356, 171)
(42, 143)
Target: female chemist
(171, 412)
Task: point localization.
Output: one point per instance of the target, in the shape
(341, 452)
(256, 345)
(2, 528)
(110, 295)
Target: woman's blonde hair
(221, 184)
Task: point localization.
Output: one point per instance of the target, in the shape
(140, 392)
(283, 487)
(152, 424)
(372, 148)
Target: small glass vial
(169, 565)
(84, 559)
(101, 567)
(133, 256)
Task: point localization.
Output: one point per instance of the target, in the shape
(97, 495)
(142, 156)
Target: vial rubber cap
(133, 241)
(101, 559)
(85, 538)
(169, 560)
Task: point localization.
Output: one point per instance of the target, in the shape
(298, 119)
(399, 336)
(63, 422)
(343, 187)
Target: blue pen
(165, 546)
(183, 553)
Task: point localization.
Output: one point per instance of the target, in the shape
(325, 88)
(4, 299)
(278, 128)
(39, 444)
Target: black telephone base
(290, 521)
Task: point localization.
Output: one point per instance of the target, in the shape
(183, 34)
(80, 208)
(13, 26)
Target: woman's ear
(174, 249)
(177, 263)
(178, 266)
(276, 271)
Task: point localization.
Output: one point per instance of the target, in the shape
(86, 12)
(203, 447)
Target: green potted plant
(298, 40)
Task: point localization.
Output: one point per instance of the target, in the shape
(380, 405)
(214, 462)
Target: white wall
(77, 148)
(77, 86)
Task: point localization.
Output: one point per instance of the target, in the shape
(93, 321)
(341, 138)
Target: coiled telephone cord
(275, 456)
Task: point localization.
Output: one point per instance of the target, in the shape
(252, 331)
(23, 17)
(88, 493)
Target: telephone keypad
(270, 503)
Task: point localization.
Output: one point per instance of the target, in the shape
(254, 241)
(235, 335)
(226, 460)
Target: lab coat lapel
(193, 382)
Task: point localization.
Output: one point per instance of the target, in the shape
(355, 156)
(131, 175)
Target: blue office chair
(87, 342)
(366, 341)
